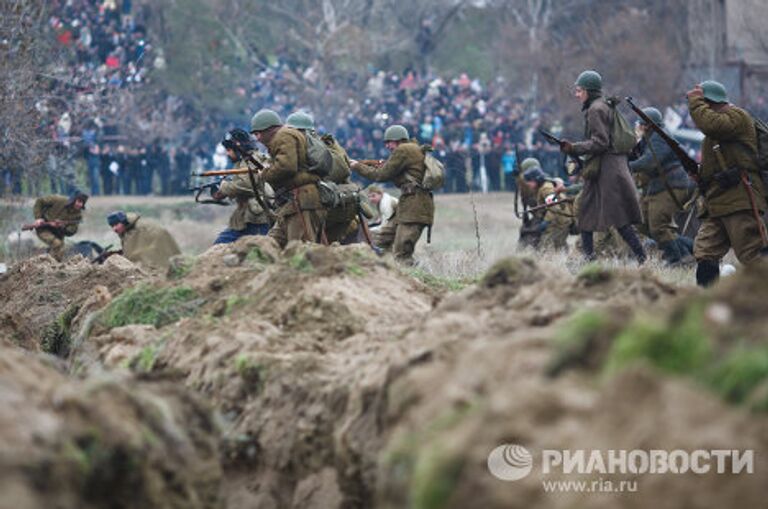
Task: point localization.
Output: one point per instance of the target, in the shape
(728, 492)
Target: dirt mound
(104, 442)
(39, 297)
(296, 350)
(341, 381)
(490, 384)
(315, 355)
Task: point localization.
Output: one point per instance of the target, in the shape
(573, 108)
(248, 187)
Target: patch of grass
(257, 256)
(300, 262)
(180, 267)
(57, 337)
(740, 373)
(234, 302)
(580, 342)
(355, 269)
(252, 372)
(594, 274)
(145, 360)
(423, 462)
(441, 282)
(435, 476)
(145, 304)
(680, 347)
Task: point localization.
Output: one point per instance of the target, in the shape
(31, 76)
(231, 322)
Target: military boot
(633, 241)
(588, 246)
(707, 273)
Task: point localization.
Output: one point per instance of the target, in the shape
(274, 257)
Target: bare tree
(23, 58)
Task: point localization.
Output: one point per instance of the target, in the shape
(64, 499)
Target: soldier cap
(117, 217)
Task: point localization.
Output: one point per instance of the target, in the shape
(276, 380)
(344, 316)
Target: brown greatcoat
(147, 243)
(612, 199)
(405, 169)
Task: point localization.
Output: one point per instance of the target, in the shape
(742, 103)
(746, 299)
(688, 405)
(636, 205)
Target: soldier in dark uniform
(666, 188)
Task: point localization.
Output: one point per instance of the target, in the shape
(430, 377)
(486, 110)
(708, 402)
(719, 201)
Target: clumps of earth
(320, 377)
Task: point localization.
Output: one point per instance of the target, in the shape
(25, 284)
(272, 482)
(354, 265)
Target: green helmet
(590, 80)
(654, 115)
(395, 133)
(300, 120)
(264, 119)
(528, 163)
(714, 91)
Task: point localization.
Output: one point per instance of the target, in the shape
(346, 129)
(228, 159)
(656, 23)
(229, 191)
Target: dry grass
(452, 255)
(453, 252)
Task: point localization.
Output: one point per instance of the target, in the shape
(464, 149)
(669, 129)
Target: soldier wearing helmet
(732, 190)
(300, 215)
(666, 188)
(405, 169)
(249, 218)
(609, 197)
(553, 224)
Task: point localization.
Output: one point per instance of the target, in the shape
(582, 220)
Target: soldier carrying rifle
(57, 217)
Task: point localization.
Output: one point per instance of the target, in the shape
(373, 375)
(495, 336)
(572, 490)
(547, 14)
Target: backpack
(319, 158)
(622, 135)
(434, 174)
(761, 128)
(340, 169)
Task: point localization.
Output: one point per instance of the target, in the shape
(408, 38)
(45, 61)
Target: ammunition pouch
(334, 195)
(727, 179)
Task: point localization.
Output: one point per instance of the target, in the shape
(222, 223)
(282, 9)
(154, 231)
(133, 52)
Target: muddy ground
(330, 378)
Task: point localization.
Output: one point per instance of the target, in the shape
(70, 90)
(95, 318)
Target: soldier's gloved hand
(566, 146)
(696, 91)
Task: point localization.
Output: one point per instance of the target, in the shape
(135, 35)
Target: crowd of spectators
(479, 129)
(475, 127)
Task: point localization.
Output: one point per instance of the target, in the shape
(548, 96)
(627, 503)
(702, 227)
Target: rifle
(56, 224)
(554, 140)
(689, 165)
(106, 253)
(212, 187)
(221, 173)
(548, 205)
(253, 163)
